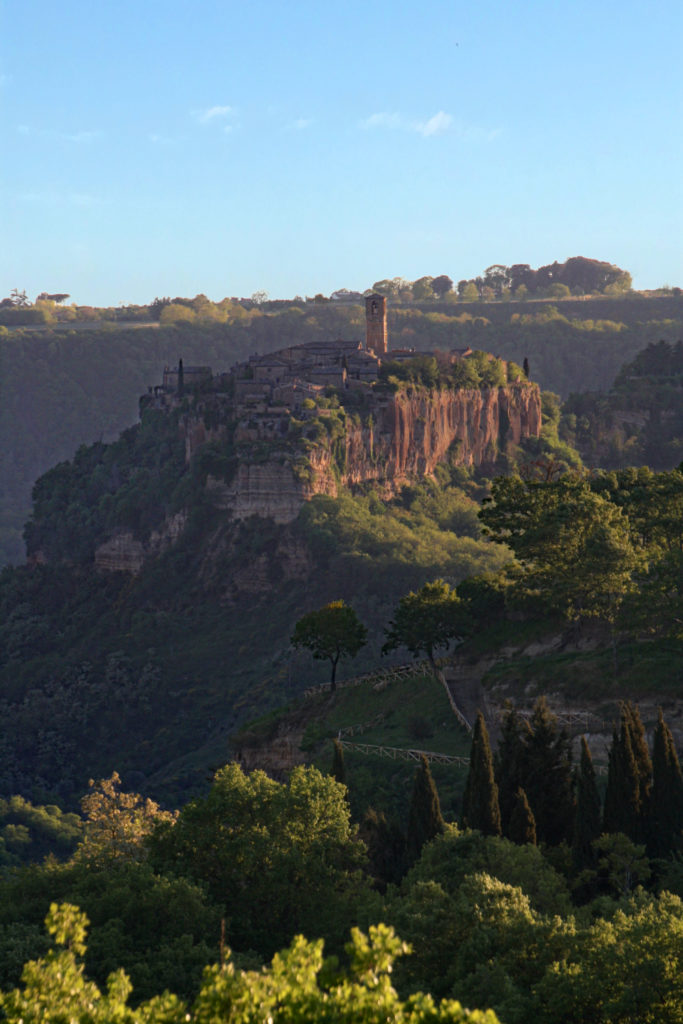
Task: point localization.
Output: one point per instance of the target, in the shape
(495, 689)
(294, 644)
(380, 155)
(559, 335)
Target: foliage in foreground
(298, 986)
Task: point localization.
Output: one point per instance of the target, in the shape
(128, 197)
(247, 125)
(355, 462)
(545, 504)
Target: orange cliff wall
(415, 430)
(411, 433)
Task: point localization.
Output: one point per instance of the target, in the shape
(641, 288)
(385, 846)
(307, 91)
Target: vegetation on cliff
(640, 420)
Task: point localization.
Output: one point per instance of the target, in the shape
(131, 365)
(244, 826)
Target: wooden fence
(401, 754)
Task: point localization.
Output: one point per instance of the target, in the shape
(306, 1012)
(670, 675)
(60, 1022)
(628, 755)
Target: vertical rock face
(411, 432)
(124, 553)
(417, 430)
(405, 437)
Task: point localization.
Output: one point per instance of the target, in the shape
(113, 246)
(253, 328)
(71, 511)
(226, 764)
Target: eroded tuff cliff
(399, 437)
(407, 435)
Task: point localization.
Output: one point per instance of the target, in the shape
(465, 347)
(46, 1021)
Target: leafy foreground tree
(489, 921)
(620, 971)
(331, 633)
(280, 859)
(299, 986)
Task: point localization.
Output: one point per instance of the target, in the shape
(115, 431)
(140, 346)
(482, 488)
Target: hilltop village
(314, 417)
(284, 379)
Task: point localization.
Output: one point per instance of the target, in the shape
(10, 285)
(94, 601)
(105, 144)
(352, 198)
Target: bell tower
(376, 324)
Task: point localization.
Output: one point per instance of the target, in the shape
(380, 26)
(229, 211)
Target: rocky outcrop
(400, 437)
(125, 553)
(416, 430)
(406, 436)
(272, 488)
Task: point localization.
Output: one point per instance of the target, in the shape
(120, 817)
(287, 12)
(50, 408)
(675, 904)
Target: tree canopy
(428, 619)
(331, 633)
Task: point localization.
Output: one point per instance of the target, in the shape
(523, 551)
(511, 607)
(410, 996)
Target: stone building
(376, 324)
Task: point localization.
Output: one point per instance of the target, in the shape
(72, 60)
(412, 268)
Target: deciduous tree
(427, 620)
(331, 633)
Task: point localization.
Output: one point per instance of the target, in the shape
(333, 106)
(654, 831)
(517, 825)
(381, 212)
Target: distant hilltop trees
(576, 276)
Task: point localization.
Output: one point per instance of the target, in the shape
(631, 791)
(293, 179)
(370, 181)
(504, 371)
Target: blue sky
(162, 147)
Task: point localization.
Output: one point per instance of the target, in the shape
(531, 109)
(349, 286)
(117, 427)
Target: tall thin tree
(665, 832)
(522, 822)
(621, 812)
(643, 762)
(587, 820)
(480, 807)
(425, 820)
(547, 776)
(509, 762)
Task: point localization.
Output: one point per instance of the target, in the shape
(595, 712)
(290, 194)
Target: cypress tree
(424, 820)
(509, 763)
(181, 379)
(338, 766)
(621, 812)
(386, 848)
(547, 776)
(526, 367)
(643, 763)
(480, 808)
(666, 803)
(588, 818)
(522, 821)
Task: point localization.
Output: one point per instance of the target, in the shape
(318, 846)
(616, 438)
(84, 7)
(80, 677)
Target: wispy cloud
(214, 114)
(436, 125)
